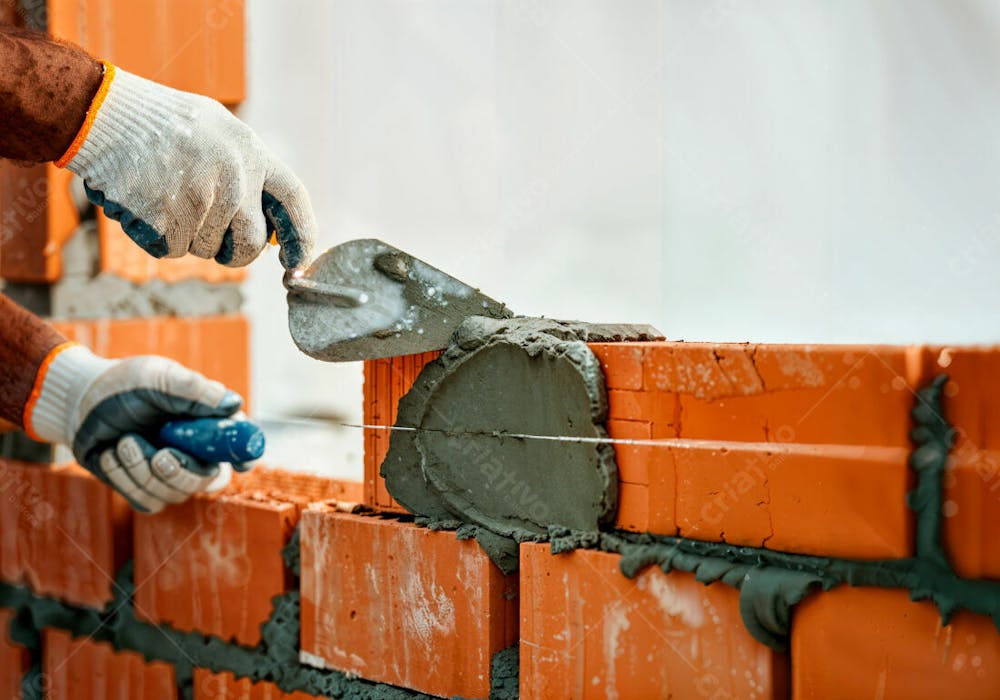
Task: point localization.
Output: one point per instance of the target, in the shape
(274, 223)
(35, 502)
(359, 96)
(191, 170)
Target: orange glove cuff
(36, 388)
(88, 120)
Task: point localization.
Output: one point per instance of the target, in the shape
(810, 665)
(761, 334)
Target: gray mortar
(408, 305)
(83, 292)
(110, 296)
(529, 376)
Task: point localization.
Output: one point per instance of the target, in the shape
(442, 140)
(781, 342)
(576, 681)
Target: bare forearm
(45, 90)
(24, 343)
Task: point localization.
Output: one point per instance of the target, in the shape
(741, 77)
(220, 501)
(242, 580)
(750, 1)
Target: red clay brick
(628, 430)
(970, 396)
(62, 532)
(295, 487)
(223, 686)
(646, 489)
(38, 216)
(14, 659)
(972, 483)
(403, 605)
(648, 406)
(971, 511)
(633, 507)
(122, 257)
(787, 393)
(213, 564)
(621, 363)
(827, 500)
(386, 381)
(186, 44)
(589, 632)
(876, 643)
(216, 346)
(82, 669)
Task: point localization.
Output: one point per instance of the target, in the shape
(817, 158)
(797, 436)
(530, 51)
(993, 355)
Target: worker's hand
(109, 412)
(183, 175)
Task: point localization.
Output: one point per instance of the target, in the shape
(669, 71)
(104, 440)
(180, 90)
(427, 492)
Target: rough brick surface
(223, 686)
(296, 487)
(37, 215)
(972, 482)
(14, 659)
(647, 490)
(62, 532)
(216, 346)
(386, 381)
(876, 643)
(81, 669)
(213, 564)
(621, 363)
(121, 256)
(971, 510)
(830, 500)
(186, 44)
(589, 632)
(403, 605)
(823, 394)
(807, 394)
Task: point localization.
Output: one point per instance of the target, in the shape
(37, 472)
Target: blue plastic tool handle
(215, 439)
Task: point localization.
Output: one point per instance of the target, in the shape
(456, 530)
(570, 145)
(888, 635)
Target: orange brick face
(14, 659)
(216, 346)
(621, 363)
(223, 686)
(876, 643)
(786, 393)
(186, 44)
(81, 669)
(972, 483)
(62, 532)
(38, 216)
(589, 632)
(386, 381)
(971, 510)
(121, 256)
(403, 605)
(759, 393)
(828, 500)
(647, 490)
(213, 564)
(295, 487)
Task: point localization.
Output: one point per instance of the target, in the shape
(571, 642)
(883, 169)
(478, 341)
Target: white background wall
(773, 171)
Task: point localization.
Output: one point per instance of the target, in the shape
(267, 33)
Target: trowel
(364, 299)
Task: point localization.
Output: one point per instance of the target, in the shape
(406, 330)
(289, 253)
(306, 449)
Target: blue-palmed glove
(183, 175)
(109, 412)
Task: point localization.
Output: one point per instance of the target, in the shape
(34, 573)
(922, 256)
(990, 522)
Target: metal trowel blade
(365, 299)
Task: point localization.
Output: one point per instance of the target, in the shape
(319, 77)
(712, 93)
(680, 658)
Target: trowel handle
(233, 440)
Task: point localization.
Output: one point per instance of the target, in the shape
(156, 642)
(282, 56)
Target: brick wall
(296, 586)
(763, 462)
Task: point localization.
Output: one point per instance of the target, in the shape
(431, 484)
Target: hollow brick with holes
(877, 643)
(82, 669)
(224, 686)
(213, 564)
(385, 382)
(400, 604)
(14, 658)
(589, 632)
(62, 532)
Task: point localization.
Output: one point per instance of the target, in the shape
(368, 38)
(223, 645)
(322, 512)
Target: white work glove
(183, 175)
(109, 412)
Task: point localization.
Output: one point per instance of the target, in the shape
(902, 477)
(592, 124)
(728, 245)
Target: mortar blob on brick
(526, 376)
